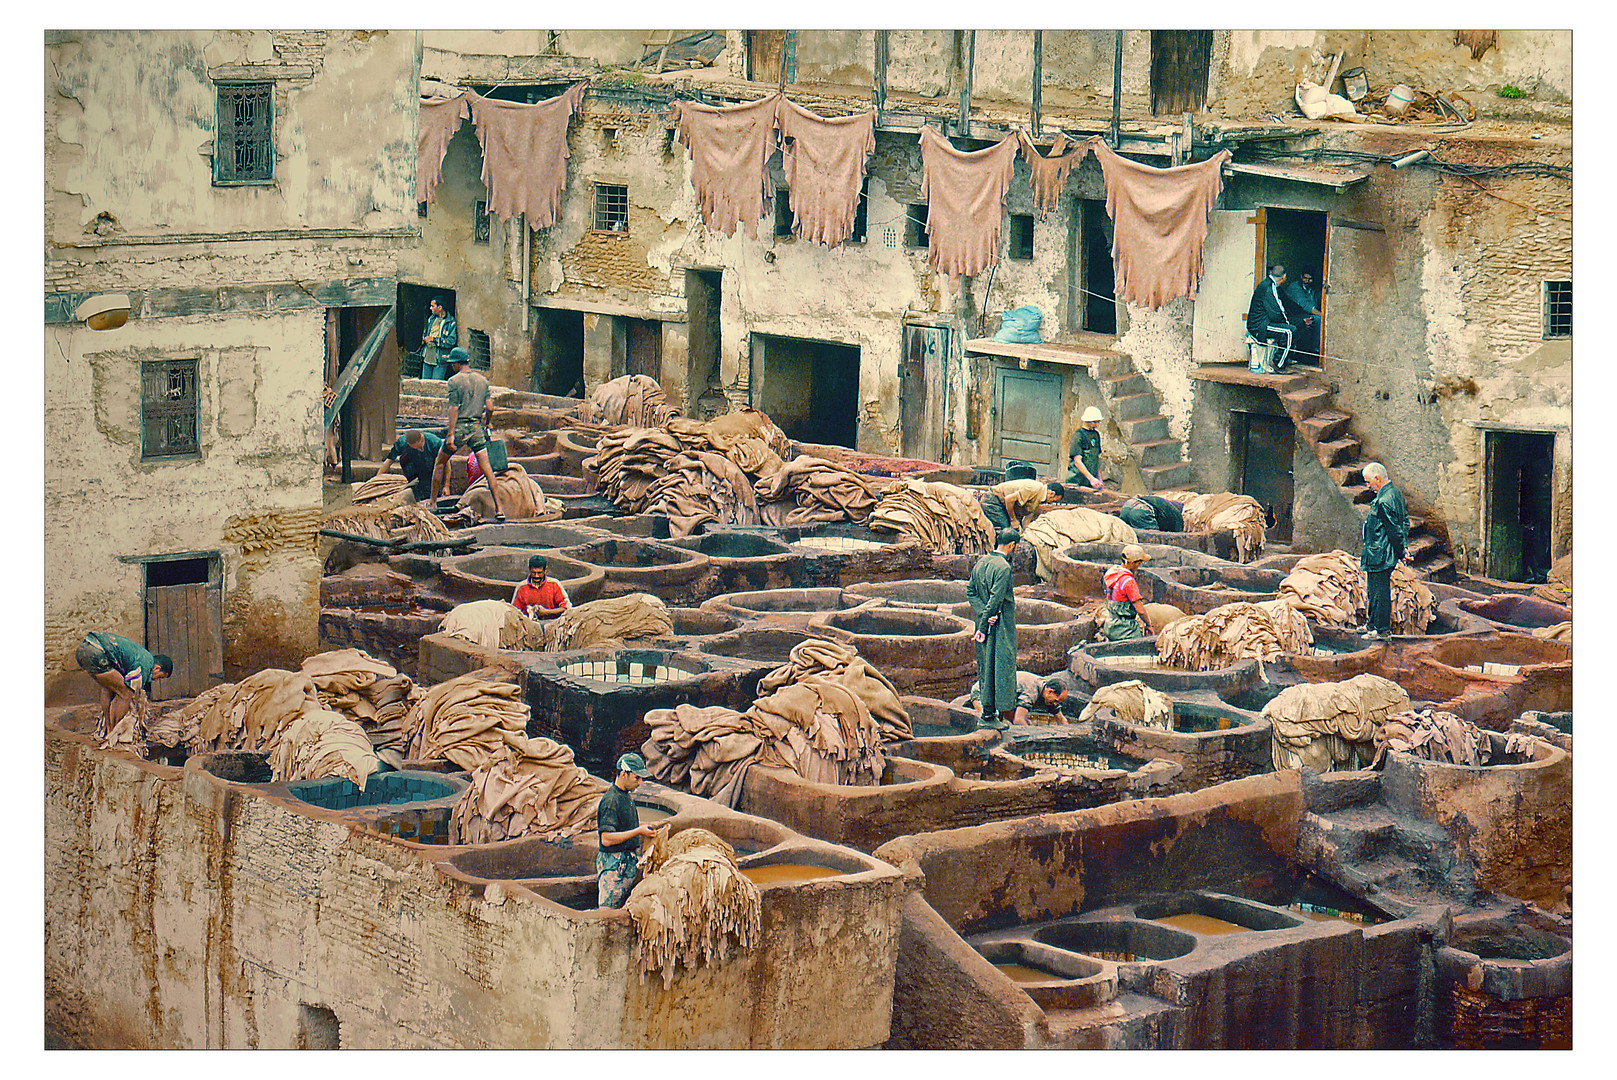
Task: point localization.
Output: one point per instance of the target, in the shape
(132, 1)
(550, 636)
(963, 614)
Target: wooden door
(644, 352)
(185, 621)
(919, 373)
(1268, 444)
(1180, 61)
(1027, 418)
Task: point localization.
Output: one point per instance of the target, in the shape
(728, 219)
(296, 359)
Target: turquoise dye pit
(383, 789)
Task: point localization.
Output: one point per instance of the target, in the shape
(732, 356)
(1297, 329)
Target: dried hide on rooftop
(494, 624)
(965, 194)
(692, 901)
(1234, 632)
(529, 787)
(1326, 725)
(1435, 735)
(520, 498)
(628, 400)
(525, 153)
(944, 518)
(468, 720)
(824, 162)
(1133, 702)
(1160, 221)
(1327, 588)
(636, 617)
(321, 744)
(1049, 174)
(439, 119)
(703, 486)
(822, 492)
(1054, 530)
(730, 148)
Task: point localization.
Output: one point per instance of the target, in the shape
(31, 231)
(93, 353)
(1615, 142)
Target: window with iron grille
(612, 207)
(1557, 309)
(244, 146)
(168, 409)
(480, 222)
(477, 345)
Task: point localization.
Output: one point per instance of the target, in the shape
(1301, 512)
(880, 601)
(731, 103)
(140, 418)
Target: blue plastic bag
(1021, 325)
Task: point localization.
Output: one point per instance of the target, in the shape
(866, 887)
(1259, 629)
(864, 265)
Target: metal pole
(881, 74)
(1117, 91)
(1038, 78)
(968, 60)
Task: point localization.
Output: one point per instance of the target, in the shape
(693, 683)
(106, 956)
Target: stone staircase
(1132, 403)
(1309, 401)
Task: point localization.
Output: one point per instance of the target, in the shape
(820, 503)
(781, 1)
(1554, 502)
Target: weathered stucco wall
(185, 912)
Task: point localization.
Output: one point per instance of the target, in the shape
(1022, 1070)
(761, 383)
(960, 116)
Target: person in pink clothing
(473, 470)
(1125, 618)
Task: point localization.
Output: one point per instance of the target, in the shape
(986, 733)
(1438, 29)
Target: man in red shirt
(539, 597)
(1125, 619)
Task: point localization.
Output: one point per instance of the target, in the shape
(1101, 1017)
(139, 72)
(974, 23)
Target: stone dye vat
(694, 625)
(1210, 742)
(1488, 679)
(1045, 633)
(547, 536)
(1337, 655)
(644, 566)
(596, 700)
(1510, 614)
(1504, 982)
(494, 574)
(1117, 775)
(1077, 573)
(443, 657)
(934, 593)
(407, 805)
(575, 445)
(744, 562)
(763, 644)
(1196, 590)
(638, 526)
(1102, 663)
(234, 917)
(793, 608)
(921, 652)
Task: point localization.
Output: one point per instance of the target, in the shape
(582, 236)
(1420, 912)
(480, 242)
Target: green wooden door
(1027, 418)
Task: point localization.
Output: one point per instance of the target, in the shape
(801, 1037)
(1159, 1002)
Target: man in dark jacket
(1266, 316)
(1302, 306)
(993, 606)
(1386, 531)
(1152, 512)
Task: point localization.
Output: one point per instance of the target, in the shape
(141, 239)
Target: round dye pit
(381, 789)
(921, 652)
(1045, 632)
(1051, 977)
(788, 873)
(495, 573)
(544, 535)
(733, 546)
(925, 593)
(787, 607)
(1513, 612)
(1199, 589)
(1071, 752)
(636, 526)
(631, 667)
(1124, 941)
(1202, 913)
(766, 644)
(1119, 661)
(694, 622)
(238, 767)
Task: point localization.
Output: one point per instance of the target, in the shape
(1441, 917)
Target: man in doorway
(618, 830)
(540, 597)
(1125, 616)
(1015, 503)
(1266, 319)
(125, 672)
(1386, 532)
(442, 335)
(993, 605)
(1085, 452)
(468, 417)
(415, 453)
(1152, 512)
(1043, 693)
(1302, 298)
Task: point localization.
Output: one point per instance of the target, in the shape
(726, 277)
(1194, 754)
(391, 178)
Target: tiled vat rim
(382, 789)
(622, 671)
(840, 543)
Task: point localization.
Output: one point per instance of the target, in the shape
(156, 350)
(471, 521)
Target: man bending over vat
(540, 597)
(1015, 503)
(618, 828)
(993, 603)
(1033, 692)
(125, 672)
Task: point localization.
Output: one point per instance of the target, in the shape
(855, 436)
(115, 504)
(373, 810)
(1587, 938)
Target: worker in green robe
(993, 606)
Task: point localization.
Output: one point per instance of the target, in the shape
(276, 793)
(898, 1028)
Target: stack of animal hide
(628, 400)
(1559, 632)
(817, 656)
(1327, 588)
(1240, 514)
(321, 744)
(1132, 702)
(635, 617)
(821, 491)
(1234, 632)
(699, 487)
(629, 461)
(1054, 530)
(388, 488)
(368, 691)
(1413, 605)
(494, 624)
(747, 437)
(1557, 587)
(468, 720)
(1435, 735)
(691, 903)
(383, 519)
(248, 716)
(1328, 725)
(529, 787)
(944, 518)
(704, 748)
(520, 498)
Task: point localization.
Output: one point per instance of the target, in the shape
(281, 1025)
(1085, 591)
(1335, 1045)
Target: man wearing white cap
(1085, 452)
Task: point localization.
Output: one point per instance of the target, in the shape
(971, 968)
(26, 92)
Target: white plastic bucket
(1398, 99)
(1259, 358)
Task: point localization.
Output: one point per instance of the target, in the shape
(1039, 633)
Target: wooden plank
(1335, 181)
(367, 351)
(214, 605)
(1051, 354)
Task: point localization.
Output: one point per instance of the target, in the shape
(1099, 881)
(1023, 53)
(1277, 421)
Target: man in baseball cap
(618, 829)
(1125, 618)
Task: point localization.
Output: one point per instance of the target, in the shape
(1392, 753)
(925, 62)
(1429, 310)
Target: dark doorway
(371, 412)
(1099, 285)
(643, 348)
(1296, 240)
(185, 620)
(1520, 503)
(412, 322)
(558, 352)
(704, 293)
(1264, 446)
(810, 388)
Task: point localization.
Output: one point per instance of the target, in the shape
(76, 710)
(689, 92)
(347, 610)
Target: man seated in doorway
(1152, 512)
(468, 416)
(1266, 319)
(1015, 503)
(415, 452)
(125, 671)
(1085, 452)
(540, 597)
(1302, 301)
(1040, 693)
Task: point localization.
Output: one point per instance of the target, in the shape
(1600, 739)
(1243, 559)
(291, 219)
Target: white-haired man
(1386, 531)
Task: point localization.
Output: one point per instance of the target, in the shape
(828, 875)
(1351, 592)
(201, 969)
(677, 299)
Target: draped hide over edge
(440, 119)
(965, 193)
(730, 148)
(1049, 174)
(824, 162)
(525, 153)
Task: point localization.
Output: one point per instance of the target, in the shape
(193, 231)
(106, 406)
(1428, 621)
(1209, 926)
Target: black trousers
(1278, 334)
(994, 510)
(1378, 592)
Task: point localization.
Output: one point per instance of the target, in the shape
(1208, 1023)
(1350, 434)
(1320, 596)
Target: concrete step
(1112, 366)
(1178, 475)
(1157, 452)
(1348, 474)
(1144, 430)
(1424, 547)
(1325, 425)
(1134, 407)
(1306, 400)
(1357, 494)
(1338, 451)
(1126, 386)
(1440, 569)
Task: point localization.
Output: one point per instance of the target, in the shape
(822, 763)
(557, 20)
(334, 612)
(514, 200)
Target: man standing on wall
(1386, 532)
(468, 419)
(442, 335)
(1085, 452)
(1303, 299)
(618, 831)
(1266, 319)
(993, 604)
(125, 672)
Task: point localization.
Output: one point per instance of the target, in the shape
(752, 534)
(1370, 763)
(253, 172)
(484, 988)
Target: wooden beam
(1117, 90)
(356, 367)
(1038, 78)
(881, 75)
(968, 58)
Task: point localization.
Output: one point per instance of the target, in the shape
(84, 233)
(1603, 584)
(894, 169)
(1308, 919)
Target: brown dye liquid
(1202, 924)
(650, 814)
(1023, 974)
(787, 872)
